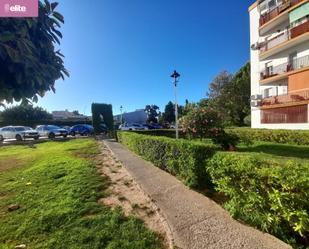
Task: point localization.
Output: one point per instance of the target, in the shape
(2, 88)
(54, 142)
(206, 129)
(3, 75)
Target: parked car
(132, 127)
(18, 132)
(81, 129)
(148, 126)
(156, 126)
(51, 131)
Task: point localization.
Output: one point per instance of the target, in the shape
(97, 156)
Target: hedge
(272, 197)
(297, 137)
(183, 158)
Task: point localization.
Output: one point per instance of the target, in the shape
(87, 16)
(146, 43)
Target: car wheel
(36, 138)
(1, 138)
(72, 133)
(51, 135)
(19, 137)
(64, 136)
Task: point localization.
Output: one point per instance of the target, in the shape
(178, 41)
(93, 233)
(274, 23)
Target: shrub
(272, 197)
(183, 158)
(298, 137)
(201, 121)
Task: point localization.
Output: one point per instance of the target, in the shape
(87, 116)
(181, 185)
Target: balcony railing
(271, 14)
(285, 36)
(297, 63)
(285, 99)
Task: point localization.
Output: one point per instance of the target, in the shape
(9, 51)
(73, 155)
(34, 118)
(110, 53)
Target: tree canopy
(152, 113)
(24, 112)
(30, 63)
(230, 94)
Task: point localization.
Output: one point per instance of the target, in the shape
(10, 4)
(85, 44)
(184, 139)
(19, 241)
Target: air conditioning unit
(257, 45)
(255, 103)
(256, 97)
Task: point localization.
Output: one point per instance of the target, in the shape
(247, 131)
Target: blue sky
(122, 52)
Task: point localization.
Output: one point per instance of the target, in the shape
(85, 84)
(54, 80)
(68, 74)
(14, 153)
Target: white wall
(255, 65)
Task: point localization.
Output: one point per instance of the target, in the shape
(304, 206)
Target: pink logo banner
(19, 8)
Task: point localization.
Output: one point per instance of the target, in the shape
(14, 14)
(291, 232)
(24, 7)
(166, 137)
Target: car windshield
(53, 127)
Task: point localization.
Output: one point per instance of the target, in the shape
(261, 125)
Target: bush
(183, 158)
(161, 133)
(298, 137)
(201, 121)
(272, 197)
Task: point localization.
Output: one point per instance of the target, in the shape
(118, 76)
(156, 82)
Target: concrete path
(196, 222)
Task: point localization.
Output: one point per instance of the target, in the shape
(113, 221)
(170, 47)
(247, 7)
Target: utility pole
(121, 114)
(175, 76)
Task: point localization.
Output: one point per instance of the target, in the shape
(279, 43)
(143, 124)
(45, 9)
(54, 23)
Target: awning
(298, 13)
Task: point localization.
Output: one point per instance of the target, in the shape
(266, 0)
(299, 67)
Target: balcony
(285, 99)
(273, 13)
(282, 69)
(285, 36)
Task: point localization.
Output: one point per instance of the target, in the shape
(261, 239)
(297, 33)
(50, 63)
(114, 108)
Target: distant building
(138, 116)
(66, 115)
(279, 64)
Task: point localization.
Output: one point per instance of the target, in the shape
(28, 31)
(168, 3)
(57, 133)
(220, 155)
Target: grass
(57, 187)
(275, 151)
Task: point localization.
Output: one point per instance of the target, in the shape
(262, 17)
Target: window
(267, 93)
(272, 4)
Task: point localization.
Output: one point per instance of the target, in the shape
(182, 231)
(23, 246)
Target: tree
(152, 113)
(234, 97)
(24, 112)
(169, 113)
(30, 63)
(76, 113)
(219, 82)
(230, 95)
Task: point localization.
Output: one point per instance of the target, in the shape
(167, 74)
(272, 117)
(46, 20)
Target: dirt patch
(126, 193)
(9, 163)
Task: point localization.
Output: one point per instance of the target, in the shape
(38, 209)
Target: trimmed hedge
(298, 137)
(272, 197)
(161, 133)
(183, 158)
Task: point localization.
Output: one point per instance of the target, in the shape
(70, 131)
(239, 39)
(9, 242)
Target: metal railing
(271, 14)
(286, 35)
(284, 99)
(297, 63)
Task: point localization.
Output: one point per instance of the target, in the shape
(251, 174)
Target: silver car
(18, 132)
(51, 131)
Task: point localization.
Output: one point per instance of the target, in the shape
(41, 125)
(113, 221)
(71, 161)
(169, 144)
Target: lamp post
(121, 114)
(175, 76)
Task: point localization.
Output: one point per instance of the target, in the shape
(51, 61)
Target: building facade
(279, 38)
(139, 116)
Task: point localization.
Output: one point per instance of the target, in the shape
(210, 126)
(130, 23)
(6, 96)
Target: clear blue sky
(123, 51)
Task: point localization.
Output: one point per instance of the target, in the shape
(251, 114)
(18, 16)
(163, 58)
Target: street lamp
(175, 76)
(121, 114)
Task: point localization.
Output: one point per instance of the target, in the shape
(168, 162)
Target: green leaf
(54, 5)
(58, 16)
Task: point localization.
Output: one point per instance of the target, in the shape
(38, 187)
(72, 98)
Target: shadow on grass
(283, 150)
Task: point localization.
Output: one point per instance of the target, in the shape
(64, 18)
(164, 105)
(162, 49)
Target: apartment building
(279, 37)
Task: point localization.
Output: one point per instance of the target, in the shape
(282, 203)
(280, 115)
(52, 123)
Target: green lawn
(57, 188)
(276, 151)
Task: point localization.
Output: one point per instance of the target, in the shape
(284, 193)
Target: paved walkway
(196, 222)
